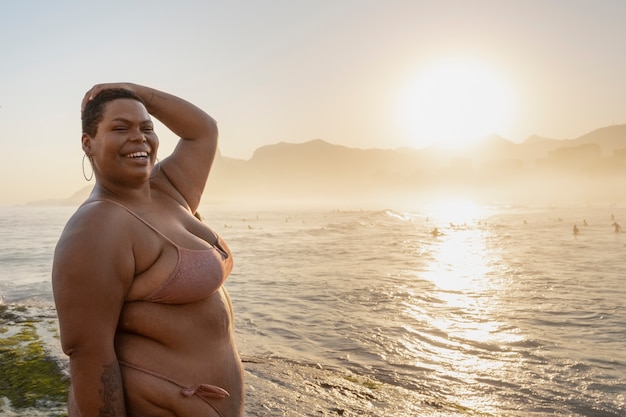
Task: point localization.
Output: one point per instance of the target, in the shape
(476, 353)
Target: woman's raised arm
(187, 168)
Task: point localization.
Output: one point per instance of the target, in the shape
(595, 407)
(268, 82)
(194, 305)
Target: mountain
(609, 138)
(73, 200)
(494, 167)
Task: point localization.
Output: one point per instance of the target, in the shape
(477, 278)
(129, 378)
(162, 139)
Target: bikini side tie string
(205, 391)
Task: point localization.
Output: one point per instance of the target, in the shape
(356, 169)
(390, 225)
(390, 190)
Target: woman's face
(125, 146)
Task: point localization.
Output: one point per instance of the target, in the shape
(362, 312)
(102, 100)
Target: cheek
(154, 142)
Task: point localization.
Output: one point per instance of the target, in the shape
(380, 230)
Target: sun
(453, 103)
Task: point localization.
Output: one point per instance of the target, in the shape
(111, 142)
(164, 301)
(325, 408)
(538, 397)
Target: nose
(138, 136)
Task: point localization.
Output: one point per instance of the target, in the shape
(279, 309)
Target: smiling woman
(455, 102)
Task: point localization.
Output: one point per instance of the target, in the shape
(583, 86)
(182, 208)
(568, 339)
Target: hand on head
(96, 89)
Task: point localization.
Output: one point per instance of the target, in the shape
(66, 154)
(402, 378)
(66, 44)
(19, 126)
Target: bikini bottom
(202, 391)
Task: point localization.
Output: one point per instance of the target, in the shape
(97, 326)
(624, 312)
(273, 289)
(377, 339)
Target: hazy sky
(272, 71)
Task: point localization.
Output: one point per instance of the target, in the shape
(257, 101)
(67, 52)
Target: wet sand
(283, 388)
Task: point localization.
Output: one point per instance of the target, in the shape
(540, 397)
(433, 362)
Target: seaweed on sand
(31, 377)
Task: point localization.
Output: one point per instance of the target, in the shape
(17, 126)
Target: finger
(89, 95)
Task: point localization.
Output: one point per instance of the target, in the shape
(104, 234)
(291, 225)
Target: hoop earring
(83, 164)
(158, 165)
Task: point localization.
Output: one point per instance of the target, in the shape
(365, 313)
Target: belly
(188, 345)
(179, 325)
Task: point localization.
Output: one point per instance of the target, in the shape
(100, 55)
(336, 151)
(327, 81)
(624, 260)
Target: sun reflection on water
(462, 329)
(459, 262)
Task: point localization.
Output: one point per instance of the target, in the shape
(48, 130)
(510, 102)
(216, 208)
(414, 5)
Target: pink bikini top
(198, 274)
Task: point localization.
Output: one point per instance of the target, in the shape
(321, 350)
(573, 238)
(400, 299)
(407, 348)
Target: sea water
(366, 313)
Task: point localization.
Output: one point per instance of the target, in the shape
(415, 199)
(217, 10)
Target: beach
(365, 313)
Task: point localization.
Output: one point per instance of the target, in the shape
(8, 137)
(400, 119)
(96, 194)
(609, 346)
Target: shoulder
(97, 238)
(97, 219)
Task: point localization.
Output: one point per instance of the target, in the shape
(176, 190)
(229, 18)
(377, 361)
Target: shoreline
(36, 380)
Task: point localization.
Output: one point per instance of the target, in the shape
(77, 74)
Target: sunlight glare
(459, 265)
(463, 270)
(456, 211)
(454, 103)
(460, 276)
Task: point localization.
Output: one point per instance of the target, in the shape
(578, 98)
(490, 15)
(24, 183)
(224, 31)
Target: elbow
(212, 129)
(90, 347)
(69, 351)
(68, 348)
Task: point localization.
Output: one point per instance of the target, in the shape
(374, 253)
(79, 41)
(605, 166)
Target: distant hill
(73, 200)
(317, 169)
(496, 167)
(609, 138)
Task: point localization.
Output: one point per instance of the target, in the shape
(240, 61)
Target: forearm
(97, 387)
(182, 117)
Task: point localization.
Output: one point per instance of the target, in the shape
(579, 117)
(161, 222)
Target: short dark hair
(94, 109)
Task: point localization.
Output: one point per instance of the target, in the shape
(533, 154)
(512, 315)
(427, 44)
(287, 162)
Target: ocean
(365, 313)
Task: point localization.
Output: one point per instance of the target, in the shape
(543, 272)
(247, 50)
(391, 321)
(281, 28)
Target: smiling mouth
(137, 155)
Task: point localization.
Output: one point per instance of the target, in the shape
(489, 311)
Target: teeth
(137, 155)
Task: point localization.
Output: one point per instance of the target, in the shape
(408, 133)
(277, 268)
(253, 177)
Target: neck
(142, 194)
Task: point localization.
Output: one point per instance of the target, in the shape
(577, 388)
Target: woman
(137, 279)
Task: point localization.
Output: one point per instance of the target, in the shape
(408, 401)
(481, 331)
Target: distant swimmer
(575, 229)
(436, 232)
(618, 228)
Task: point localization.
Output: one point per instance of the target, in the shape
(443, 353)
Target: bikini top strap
(135, 215)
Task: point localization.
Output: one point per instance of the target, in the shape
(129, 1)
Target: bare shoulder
(97, 240)
(95, 223)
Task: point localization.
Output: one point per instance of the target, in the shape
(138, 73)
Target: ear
(86, 142)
